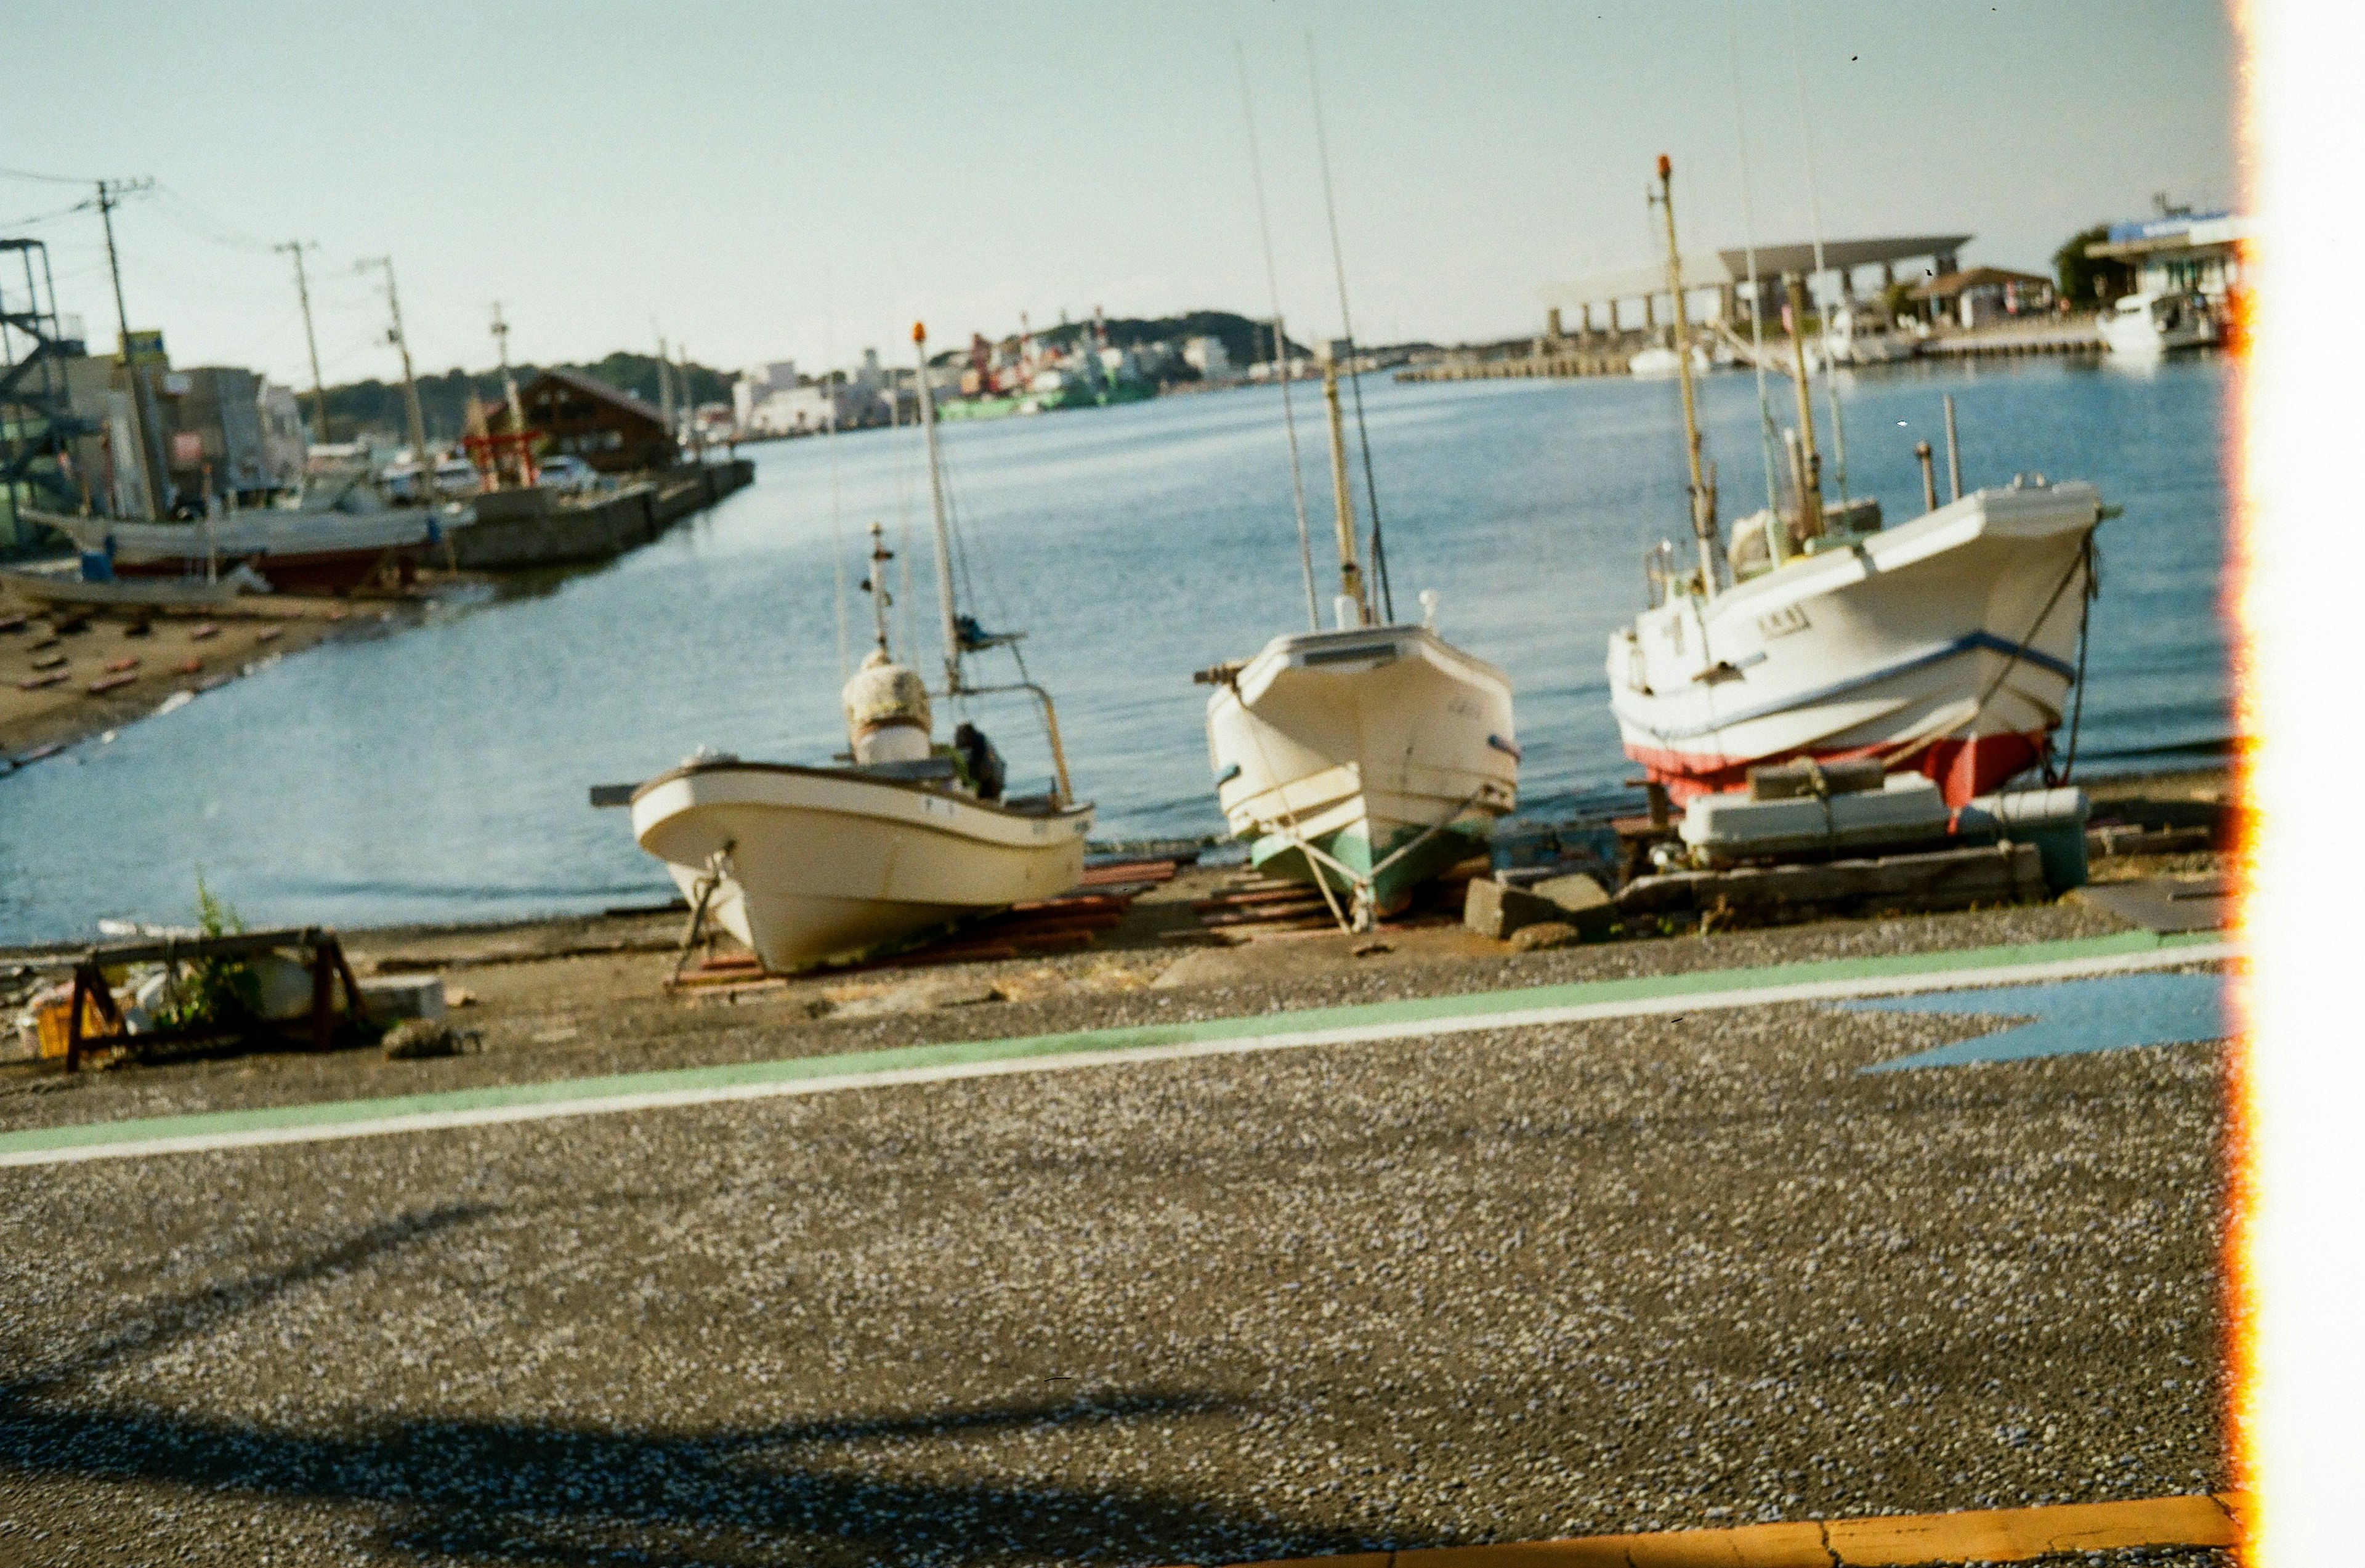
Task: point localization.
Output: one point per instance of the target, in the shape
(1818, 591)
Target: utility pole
(665, 387)
(517, 408)
(409, 383)
(143, 421)
(296, 248)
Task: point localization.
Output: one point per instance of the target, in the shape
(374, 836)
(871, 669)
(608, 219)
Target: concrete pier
(516, 530)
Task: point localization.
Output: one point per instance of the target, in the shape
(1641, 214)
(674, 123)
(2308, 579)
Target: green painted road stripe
(1413, 1018)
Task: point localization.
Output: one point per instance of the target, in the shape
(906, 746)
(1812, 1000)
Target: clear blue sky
(776, 181)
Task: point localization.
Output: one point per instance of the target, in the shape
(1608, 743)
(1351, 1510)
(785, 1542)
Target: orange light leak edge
(2245, 612)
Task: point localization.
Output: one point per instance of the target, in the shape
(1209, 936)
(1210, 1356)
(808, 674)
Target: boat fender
(1227, 775)
(1508, 748)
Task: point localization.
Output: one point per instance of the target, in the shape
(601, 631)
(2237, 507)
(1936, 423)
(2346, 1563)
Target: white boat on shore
(1369, 758)
(810, 865)
(1364, 759)
(1946, 645)
(2148, 326)
(337, 538)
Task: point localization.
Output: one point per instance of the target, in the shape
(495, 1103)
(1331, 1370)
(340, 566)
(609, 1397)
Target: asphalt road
(1633, 1274)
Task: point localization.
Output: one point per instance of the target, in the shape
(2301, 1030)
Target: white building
(758, 382)
(1208, 356)
(284, 437)
(2180, 252)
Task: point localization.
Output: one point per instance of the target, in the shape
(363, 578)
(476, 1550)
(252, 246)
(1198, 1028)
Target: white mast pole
(936, 501)
(1815, 217)
(1279, 349)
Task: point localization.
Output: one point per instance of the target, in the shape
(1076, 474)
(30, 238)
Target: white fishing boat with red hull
(1946, 645)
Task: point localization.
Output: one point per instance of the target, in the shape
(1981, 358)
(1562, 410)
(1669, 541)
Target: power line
(51, 179)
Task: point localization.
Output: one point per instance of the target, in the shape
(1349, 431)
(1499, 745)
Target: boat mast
(876, 583)
(1765, 437)
(1811, 461)
(936, 501)
(1279, 346)
(1703, 497)
(1350, 575)
(1815, 216)
(1347, 325)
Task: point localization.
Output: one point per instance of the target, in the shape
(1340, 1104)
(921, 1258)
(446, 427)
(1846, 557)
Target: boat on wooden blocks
(810, 866)
(1369, 758)
(1946, 645)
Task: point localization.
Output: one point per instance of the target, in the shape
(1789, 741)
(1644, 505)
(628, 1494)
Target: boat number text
(1782, 622)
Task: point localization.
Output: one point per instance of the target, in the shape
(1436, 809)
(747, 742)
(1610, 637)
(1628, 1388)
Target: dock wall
(518, 530)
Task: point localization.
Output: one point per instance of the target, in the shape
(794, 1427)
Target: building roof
(591, 387)
(1953, 283)
(1717, 269)
(2129, 240)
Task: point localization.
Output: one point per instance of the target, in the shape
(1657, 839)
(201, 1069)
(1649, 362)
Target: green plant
(217, 992)
(2089, 280)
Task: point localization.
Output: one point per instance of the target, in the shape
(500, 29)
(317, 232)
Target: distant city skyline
(757, 184)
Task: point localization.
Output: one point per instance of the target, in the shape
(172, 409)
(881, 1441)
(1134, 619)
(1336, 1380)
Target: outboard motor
(981, 761)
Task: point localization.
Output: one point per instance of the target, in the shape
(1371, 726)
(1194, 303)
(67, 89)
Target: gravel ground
(1640, 1274)
(577, 1016)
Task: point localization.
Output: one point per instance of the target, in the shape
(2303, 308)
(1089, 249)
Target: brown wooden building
(614, 431)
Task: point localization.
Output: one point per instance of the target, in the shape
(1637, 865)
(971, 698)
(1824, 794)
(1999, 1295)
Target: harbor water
(439, 772)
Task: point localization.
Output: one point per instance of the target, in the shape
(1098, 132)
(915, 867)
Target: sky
(803, 181)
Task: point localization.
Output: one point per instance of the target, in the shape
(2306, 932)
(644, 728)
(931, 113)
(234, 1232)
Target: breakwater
(519, 530)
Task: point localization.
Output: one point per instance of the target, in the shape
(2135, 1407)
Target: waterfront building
(1981, 295)
(2180, 252)
(757, 383)
(1716, 283)
(612, 430)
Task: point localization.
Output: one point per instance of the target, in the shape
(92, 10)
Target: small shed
(1980, 294)
(614, 431)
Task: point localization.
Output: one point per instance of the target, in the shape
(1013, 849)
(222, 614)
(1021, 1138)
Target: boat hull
(1946, 645)
(294, 552)
(60, 587)
(823, 866)
(1368, 744)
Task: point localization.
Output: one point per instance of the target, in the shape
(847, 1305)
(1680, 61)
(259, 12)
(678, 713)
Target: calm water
(439, 772)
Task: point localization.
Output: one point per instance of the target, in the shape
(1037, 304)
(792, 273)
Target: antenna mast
(1279, 349)
(1347, 324)
(936, 502)
(1703, 489)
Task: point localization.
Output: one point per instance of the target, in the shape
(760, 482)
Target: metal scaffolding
(37, 415)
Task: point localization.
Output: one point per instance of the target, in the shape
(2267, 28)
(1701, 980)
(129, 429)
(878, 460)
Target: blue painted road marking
(2115, 1012)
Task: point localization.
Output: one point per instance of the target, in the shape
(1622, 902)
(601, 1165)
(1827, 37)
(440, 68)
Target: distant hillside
(443, 400)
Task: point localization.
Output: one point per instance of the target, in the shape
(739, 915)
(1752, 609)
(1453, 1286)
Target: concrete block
(403, 996)
(1490, 909)
(1545, 934)
(1584, 903)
